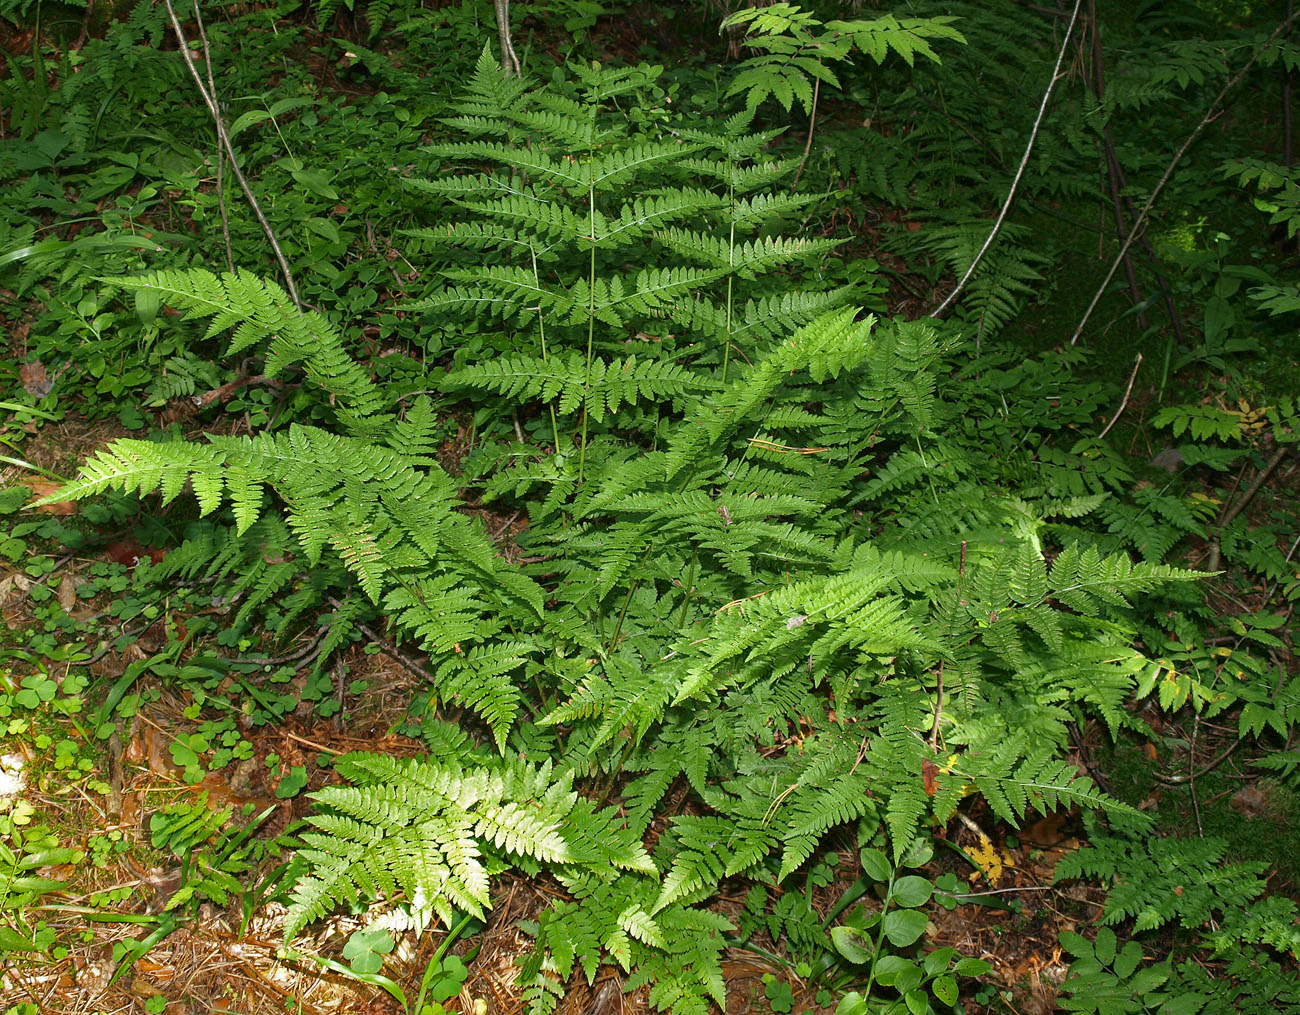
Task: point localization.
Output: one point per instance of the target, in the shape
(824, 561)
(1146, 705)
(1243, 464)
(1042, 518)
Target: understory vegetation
(774, 508)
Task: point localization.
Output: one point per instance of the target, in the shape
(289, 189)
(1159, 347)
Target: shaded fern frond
(258, 309)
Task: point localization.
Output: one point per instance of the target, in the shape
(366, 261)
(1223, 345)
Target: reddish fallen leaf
(134, 752)
(67, 593)
(929, 772)
(1251, 801)
(48, 487)
(130, 553)
(36, 379)
(1046, 832)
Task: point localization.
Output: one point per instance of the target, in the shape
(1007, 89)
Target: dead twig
(1020, 171)
(1124, 401)
(1211, 114)
(223, 139)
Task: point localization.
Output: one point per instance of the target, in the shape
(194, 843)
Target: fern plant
(573, 196)
(799, 594)
(795, 47)
(788, 678)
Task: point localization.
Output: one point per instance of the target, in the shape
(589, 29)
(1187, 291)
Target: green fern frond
(824, 347)
(908, 37)
(1013, 784)
(566, 381)
(747, 260)
(258, 309)
(420, 830)
(1084, 580)
(480, 679)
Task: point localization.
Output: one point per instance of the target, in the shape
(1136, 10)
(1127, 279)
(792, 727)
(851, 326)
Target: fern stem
(880, 934)
(434, 963)
(541, 330)
(591, 326)
(1138, 223)
(1015, 182)
(617, 770)
(731, 260)
(223, 139)
(631, 591)
(690, 583)
(812, 125)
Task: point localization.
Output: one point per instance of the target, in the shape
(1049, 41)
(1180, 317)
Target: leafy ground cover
(546, 548)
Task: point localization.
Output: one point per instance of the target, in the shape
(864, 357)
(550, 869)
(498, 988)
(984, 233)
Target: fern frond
(1084, 580)
(480, 679)
(908, 37)
(420, 830)
(258, 309)
(566, 381)
(747, 260)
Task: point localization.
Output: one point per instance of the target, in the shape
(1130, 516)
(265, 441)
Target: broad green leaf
(944, 989)
(853, 945)
(911, 891)
(875, 865)
(904, 926)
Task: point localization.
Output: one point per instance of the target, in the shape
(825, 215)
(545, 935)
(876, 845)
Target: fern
(1005, 278)
(423, 833)
(564, 228)
(761, 598)
(566, 382)
(796, 46)
(1162, 880)
(259, 310)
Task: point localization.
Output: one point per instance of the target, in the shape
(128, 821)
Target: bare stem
(1020, 172)
(223, 137)
(1210, 114)
(1124, 401)
(812, 125)
(221, 152)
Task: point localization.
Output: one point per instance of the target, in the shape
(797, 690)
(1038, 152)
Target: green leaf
(904, 926)
(911, 891)
(12, 941)
(292, 783)
(937, 961)
(944, 989)
(147, 305)
(316, 182)
(890, 968)
(1188, 1003)
(971, 967)
(853, 945)
(1105, 946)
(852, 1003)
(366, 948)
(1129, 958)
(875, 865)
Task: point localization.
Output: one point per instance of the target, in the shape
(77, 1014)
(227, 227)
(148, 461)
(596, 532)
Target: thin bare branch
(221, 151)
(1210, 114)
(1020, 171)
(1124, 401)
(223, 137)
